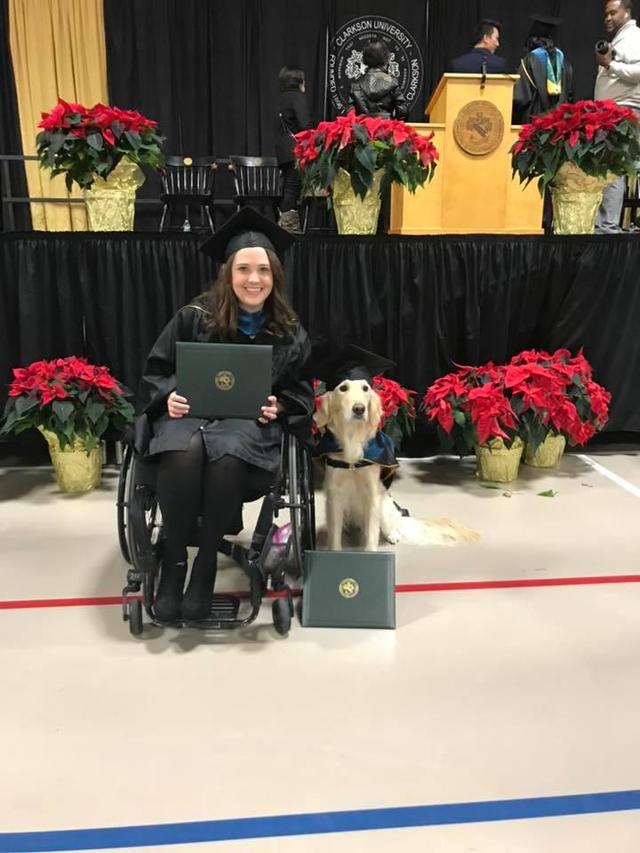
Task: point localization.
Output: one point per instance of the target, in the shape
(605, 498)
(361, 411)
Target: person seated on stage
(209, 468)
(546, 75)
(377, 93)
(481, 58)
(293, 116)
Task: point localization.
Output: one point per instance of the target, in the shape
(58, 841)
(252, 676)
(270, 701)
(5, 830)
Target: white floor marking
(610, 475)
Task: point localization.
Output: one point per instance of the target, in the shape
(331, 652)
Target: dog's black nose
(358, 410)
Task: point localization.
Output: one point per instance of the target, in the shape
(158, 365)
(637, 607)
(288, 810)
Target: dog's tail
(437, 531)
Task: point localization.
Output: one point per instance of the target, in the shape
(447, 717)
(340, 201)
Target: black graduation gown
(255, 443)
(530, 96)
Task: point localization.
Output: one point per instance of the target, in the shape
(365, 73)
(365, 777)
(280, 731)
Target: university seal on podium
(479, 128)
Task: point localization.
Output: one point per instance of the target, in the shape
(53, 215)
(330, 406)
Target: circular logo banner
(346, 64)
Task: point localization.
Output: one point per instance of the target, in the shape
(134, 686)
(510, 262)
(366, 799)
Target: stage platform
(425, 302)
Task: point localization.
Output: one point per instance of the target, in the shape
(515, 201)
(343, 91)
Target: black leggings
(189, 485)
(291, 186)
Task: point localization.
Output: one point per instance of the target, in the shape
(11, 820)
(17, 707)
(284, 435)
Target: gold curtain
(57, 50)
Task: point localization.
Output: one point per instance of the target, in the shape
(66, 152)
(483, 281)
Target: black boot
(196, 603)
(168, 603)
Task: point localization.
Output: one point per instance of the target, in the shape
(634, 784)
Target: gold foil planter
(110, 203)
(497, 463)
(353, 215)
(76, 470)
(576, 198)
(548, 454)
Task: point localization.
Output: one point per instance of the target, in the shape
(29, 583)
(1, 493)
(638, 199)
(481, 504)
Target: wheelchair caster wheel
(281, 616)
(135, 617)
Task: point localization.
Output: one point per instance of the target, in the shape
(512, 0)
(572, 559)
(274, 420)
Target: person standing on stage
(293, 116)
(618, 80)
(481, 58)
(546, 75)
(377, 93)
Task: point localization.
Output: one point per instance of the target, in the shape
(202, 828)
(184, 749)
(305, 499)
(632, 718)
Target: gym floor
(500, 717)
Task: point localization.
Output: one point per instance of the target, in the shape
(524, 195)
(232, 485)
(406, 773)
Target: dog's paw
(392, 537)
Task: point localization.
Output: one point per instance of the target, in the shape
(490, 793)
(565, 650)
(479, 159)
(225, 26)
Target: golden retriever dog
(352, 411)
(355, 494)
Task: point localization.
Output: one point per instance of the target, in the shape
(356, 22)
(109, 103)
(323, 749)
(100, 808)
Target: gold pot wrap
(110, 203)
(75, 469)
(497, 463)
(548, 454)
(576, 198)
(353, 215)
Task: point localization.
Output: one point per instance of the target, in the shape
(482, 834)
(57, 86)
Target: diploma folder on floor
(223, 380)
(349, 589)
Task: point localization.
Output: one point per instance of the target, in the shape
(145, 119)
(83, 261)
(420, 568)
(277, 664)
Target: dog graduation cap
(248, 229)
(351, 362)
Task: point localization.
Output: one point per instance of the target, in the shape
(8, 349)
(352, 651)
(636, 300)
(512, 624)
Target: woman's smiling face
(251, 278)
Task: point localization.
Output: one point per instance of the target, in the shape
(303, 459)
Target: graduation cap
(351, 362)
(544, 26)
(248, 229)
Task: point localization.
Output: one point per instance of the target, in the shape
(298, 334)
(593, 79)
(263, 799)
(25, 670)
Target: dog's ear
(374, 410)
(323, 414)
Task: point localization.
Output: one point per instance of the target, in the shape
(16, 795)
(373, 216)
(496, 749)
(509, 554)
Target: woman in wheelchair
(209, 468)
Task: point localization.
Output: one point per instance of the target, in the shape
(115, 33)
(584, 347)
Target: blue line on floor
(317, 823)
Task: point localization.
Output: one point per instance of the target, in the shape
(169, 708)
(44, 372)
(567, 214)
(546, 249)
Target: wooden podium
(472, 191)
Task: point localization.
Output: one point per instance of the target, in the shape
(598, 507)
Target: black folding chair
(187, 184)
(257, 182)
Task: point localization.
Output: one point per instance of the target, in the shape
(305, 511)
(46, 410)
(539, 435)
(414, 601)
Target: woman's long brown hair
(221, 304)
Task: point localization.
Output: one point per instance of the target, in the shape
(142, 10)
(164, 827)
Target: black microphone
(484, 72)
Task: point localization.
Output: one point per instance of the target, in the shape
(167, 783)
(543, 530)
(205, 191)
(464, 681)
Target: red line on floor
(450, 586)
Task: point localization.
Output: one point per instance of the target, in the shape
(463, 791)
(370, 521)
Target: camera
(603, 46)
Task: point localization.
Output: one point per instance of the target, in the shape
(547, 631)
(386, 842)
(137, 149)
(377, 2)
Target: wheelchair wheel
(281, 611)
(301, 498)
(144, 530)
(135, 617)
(122, 504)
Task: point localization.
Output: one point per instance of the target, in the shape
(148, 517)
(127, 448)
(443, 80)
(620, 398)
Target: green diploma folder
(224, 380)
(349, 589)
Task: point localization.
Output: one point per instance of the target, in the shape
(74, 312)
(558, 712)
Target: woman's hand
(177, 406)
(271, 411)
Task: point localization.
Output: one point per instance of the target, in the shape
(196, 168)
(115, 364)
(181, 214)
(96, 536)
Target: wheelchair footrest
(224, 608)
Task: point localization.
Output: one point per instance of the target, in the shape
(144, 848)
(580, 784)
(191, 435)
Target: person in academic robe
(546, 75)
(210, 467)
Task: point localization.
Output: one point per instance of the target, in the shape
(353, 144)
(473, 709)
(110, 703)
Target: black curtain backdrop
(424, 302)
(208, 71)
(10, 142)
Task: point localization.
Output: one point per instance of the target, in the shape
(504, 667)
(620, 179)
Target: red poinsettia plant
(555, 393)
(361, 145)
(68, 396)
(398, 407)
(84, 143)
(534, 395)
(600, 137)
(471, 408)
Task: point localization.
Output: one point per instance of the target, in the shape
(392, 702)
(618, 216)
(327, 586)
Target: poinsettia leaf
(133, 137)
(94, 411)
(96, 141)
(63, 409)
(549, 493)
(25, 404)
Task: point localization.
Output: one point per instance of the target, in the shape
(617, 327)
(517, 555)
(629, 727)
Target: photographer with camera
(618, 80)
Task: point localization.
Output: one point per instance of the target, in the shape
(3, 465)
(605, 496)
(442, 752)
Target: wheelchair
(266, 562)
